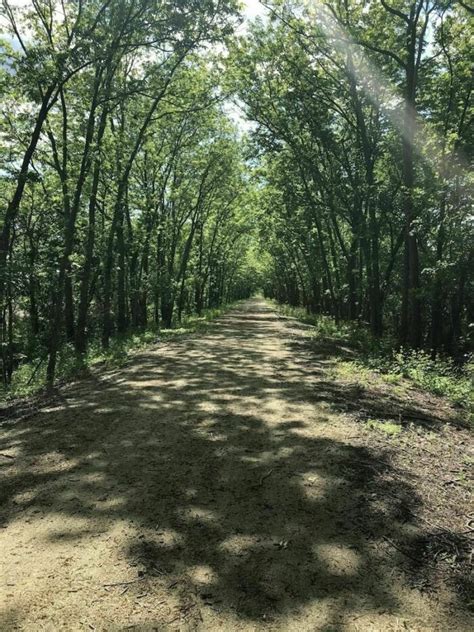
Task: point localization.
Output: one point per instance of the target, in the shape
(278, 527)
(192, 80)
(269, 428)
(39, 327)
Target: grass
(383, 359)
(30, 377)
(388, 427)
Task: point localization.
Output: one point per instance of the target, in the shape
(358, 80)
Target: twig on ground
(395, 546)
(265, 476)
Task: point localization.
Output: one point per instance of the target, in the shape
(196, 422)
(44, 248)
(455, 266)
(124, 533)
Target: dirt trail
(209, 485)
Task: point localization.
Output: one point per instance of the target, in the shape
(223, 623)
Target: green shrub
(440, 376)
(381, 355)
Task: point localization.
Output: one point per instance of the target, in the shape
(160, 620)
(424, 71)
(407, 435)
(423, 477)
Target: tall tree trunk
(411, 326)
(437, 297)
(376, 321)
(81, 337)
(48, 100)
(122, 320)
(372, 239)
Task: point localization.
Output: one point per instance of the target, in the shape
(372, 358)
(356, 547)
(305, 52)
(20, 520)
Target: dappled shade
(216, 470)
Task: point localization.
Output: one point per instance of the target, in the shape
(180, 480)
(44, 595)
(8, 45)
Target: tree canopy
(130, 197)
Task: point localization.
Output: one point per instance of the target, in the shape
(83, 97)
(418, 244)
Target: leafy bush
(440, 376)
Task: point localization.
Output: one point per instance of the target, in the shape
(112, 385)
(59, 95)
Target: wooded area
(122, 176)
(364, 114)
(236, 315)
(131, 198)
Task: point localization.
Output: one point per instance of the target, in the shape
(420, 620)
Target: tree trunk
(47, 102)
(411, 327)
(81, 338)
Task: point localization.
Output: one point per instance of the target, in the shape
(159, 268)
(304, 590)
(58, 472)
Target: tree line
(122, 179)
(364, 140)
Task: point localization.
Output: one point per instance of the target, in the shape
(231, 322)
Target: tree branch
(383, 51)
(394, 11)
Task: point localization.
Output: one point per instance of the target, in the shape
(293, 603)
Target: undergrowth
(30, 377)
(387, 427)
(395, 365)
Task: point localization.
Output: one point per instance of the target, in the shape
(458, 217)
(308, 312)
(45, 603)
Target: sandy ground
(211, 484)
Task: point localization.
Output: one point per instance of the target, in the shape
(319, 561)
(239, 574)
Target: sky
(253, 8)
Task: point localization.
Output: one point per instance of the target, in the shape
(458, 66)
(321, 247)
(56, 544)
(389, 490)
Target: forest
(133, 196)
(236, 315)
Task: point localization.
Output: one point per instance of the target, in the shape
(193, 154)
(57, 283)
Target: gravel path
(208, 485)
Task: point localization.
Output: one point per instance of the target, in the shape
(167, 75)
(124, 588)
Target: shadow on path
(215, 450)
